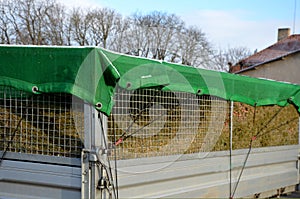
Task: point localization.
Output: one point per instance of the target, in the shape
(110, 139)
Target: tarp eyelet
(128, 85)
(98, 105)
(290, 100)
(35, 89)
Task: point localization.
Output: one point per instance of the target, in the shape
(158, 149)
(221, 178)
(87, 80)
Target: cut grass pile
(271, 126)
(49, 126)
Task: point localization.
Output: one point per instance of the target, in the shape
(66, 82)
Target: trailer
(85, 122)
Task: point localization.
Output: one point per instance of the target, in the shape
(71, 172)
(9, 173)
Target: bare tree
(8, 23)
(80, 26)
(6, 29)
(137, 39)
(164, 36)
(223, 58)
(34, 22)
(118, 40)
(30, 27)
(163, 28)
(194, 48)
(152, 35)
(105, 24)
(54, 25)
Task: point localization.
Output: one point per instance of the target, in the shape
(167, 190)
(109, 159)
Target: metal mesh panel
(157, 123)
(48, 124)
(266, 126)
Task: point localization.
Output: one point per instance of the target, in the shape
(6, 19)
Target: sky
(227, 23)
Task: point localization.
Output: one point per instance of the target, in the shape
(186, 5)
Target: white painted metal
(40, 145)
(183, 176)
(31, 179)
(93, 158)
(187, 176)
(230, 148)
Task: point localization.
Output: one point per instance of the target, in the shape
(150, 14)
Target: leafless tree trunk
(106, 24)
(193, 48)
(6, 29)
(153, 35)
(223, 58)
(54, 25)
(29, 22)
(36, 22)
(118, 41)
(80, 25)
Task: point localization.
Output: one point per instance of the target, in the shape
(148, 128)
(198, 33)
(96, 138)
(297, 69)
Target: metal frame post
(94, 142)
(298, 162)
(230, 147)
(85, 164)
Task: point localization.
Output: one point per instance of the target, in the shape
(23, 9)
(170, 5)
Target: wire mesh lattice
(47, 124)
(264, 126)
(160, 123)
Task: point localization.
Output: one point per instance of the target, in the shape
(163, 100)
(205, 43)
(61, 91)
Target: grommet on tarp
(98, 105)
(35, 89)
(128, 85)
(199, 91)
(290, 100)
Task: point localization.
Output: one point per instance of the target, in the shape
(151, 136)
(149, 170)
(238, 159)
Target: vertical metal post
(95, 139)
(230, 148)
(298, 186)
(299, 131)
(102, 127)
(85, 163)
(93, 143)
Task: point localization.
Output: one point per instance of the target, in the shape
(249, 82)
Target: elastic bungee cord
(10, 141)
(257, 133)
(109, 169)
(125, 135)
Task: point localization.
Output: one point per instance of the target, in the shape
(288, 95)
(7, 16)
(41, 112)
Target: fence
(168, 143)
(41, 139)
(172, 144)
(40, 124)
(155, 123)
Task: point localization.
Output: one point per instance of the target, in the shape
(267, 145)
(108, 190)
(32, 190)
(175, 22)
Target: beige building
(280, 61)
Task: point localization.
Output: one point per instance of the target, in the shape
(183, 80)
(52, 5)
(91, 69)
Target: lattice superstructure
(47, 124)
(160, 123)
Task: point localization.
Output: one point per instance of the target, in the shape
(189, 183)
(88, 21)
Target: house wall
(286, 70)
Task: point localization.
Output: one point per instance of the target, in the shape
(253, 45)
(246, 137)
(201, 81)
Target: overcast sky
(227, 23)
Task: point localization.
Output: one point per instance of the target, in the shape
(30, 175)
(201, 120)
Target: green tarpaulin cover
(92, 73)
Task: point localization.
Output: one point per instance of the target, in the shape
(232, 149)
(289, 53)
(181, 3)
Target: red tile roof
(280, 49)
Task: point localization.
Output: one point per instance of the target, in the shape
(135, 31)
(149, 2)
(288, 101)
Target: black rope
(109, 170)
(265, 126)
(10, 141)
(246, 159)
(14, 133)
(124, 136)
(243, 168)
(115, 154)
(136, 131)
(257, 133)
(100, 167)
(281, 125)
